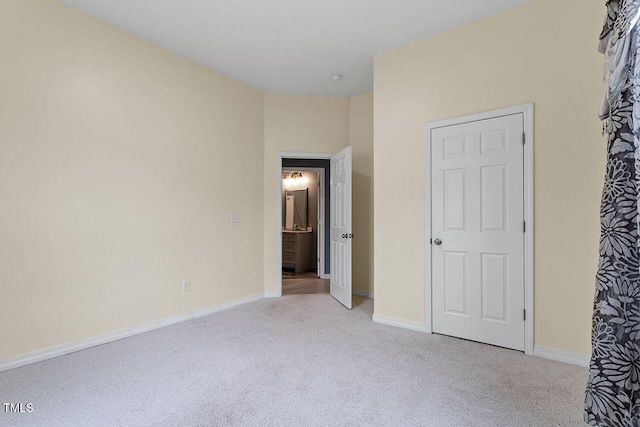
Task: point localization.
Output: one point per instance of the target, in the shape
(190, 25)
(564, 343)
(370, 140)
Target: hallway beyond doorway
(305, 283)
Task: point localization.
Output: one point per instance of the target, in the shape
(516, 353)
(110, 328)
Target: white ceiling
(290, 46)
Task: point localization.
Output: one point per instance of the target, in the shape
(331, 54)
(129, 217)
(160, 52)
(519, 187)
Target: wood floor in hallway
(305, 283)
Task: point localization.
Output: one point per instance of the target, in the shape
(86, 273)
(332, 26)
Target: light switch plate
(235, 217)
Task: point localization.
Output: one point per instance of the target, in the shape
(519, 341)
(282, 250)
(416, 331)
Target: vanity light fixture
(293, 179)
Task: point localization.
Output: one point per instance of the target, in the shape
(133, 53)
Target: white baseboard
(570, 357)
(227, 305)
(365, 294)
(399, 323)
(82, 344)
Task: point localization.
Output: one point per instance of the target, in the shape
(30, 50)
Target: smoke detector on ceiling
(336, 77)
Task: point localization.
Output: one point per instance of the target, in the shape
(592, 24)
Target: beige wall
(316, 124)
(120, 164)
(361, 141)
(119, 168)
(543, 52)
(295, 123)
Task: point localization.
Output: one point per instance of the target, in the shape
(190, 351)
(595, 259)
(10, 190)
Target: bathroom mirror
(295, 209)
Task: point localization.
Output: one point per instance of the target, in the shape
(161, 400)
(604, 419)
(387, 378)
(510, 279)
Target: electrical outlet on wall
(186, 285)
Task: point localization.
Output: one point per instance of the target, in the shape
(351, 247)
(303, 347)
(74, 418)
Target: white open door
(341, 233)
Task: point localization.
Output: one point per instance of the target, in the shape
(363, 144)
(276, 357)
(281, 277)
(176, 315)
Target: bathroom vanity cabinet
(297, 251)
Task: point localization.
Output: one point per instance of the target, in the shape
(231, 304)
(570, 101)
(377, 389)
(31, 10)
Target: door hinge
(524, 226)
(524, 314)
(431, 241)
(524, 138)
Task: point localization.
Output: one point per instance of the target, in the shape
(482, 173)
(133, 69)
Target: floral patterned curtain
(613, 389)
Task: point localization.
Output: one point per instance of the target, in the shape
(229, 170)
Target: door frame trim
(529, 284)
(287, 155)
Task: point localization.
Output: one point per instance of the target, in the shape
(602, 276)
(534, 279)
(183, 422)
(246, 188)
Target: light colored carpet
(300, 360)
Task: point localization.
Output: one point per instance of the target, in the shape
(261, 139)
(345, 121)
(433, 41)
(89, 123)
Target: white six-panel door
(341, 232)
(477, 231)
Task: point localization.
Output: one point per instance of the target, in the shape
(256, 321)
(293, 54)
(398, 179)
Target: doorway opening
(335, 232)
(303, 219)
(304, 212)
